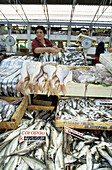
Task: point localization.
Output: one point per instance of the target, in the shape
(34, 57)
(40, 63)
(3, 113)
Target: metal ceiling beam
(69, 27)
(72, 11)
(67, 2)
(59, 23)
(22, 10)
(4, 16)
(103, 2)
(45, 9)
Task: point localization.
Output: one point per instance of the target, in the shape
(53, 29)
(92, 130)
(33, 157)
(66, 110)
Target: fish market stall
(78, 81)
(61, 147)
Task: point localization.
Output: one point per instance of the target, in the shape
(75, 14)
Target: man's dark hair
(41, 28)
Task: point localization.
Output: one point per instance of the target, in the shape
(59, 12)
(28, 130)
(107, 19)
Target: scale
(86, 44)
(86, 41)
(10, 41)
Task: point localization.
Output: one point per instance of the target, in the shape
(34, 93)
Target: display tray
(17, 116)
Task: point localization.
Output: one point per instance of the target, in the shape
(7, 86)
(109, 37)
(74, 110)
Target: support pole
(110, 39)
(69, 35)
(29, 37)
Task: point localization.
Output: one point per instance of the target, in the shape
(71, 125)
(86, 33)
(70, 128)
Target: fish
(22, 79)
(69, 159)
(12, 135)
(34, 163)
(33, 69)
(55, 80)
(83, 110)
(62, 72)
(12, 146)
(109, 151)
(4, 111)
(10, 112)
(22, 166)
(89, 160)
(59, 159)
(37, 83)
(39, 154)
(105, 155)
(50, 163)
(11, 164)
(49, 70)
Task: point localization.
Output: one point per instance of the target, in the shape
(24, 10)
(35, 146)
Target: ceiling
(68, 2)
(57, 12)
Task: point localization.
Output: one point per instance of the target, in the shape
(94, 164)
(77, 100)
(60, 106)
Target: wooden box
(91, 125)
(17, 116)
(43, 102)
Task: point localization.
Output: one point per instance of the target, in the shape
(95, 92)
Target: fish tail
(20, 86)
(62, 89)
(48, 87)
(51, 87)
(31, 87)
(40, 87)
(48, 93)
(36, 88)
(55, 91)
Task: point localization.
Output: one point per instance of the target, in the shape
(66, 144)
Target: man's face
(40, 34)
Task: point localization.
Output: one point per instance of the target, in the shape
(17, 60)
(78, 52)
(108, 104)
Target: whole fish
(49, 70)
(89, 160)
(33, 69)
(105, 155)
(22, 79)
(34, 163)
(37, 84)
(61, 73)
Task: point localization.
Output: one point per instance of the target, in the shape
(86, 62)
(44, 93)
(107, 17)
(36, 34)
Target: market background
(78, 121)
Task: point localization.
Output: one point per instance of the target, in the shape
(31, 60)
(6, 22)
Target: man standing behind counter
(41, 44)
